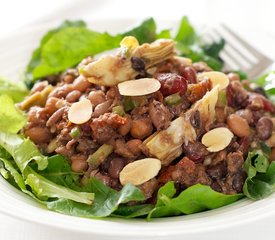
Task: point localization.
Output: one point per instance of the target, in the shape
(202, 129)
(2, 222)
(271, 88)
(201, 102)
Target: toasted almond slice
(140, 171)
(80, 112)
(217, 139)
(216, 78)
(139, 87)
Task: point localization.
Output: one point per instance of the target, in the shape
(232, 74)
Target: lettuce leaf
(11, 119)
(194, 199)
(267, 82)
(260, 181)
(17, 91)
(23, 151)
(106, 200)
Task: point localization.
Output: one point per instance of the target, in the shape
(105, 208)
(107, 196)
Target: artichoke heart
(112, 69)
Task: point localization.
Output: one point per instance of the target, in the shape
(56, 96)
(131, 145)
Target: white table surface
(254, 20)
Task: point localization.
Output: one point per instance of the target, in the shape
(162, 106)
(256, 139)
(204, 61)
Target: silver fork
(238, 54)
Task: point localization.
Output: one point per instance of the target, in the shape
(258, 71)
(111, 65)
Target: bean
(115, 167)
(96, 97)
(220, 114)
(217, 171)
(246, 114)
(39, 134)
(68, 78)
(81, 84)
(233, 77)
(216, 186)
(62, 91)
(141, 128)
(55, 117)
(238, 125)
(102, 108)
(50, 106)
(272, 155)
(79, 163)
(134, 145)
(238, 181)
(39, 86)
(264, 128)
(73, 96)
(123, 130)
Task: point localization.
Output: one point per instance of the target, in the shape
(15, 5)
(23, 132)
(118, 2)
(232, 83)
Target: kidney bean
(217, 171)
(115, 167)
(55, 117)
(195, 151)
(39, 134)
(238, 125)
(216, 186)
(102, 108)
(73, 96)
(97, 97)
(141, 128)
(264, 128)
(189, 73)
(81, 84)
(238, 181)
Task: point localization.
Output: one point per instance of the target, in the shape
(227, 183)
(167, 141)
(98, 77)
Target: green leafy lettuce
(190, 45)
(267, 82)
(194, 199)
(11, 119)
(260, 182)
(17, 91)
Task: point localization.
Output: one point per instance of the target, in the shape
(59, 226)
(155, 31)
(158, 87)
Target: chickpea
(97, 97)
(134, 145)
(73, 96)
(141, 128)
(238, 125)
(123, 130)
(81, 84)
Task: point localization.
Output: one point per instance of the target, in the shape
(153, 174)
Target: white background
(254, 20)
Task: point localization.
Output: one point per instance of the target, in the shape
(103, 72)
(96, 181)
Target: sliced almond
(217, 139)
(217, 78)
(139, 87)
(140, 171)
(80, 112)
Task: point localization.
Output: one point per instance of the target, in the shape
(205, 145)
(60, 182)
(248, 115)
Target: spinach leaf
(133, 211)
(194, 199)
(186, 33)
(105, 203)
(260, 181)
(16, 91)
(11, 119)
(59, 171)
(145, 32)
(214, 48)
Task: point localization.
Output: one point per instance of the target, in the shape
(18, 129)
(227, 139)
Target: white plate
(14, 54)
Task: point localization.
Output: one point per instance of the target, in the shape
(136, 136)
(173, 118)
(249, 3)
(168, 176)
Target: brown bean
(217, 171)
(233, 76)
(115, 167)
(123, 130)
(73, 96)
(272, 155)
(134, 145)
(50, 106)
(141, 128)
(97, 97)
(39, 86)
(246, 114)
(264, 128)
(81, 84)
(62, 91)
(102, 108)
(238, 125)
(55, 117)
(79, 163)
(39, 134)
(220, 114)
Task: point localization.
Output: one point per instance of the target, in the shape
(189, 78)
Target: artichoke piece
(166, 145)
(112, 69)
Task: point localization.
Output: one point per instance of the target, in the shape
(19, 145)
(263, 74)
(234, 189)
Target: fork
(238, 54)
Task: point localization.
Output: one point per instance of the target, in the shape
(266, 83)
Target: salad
(151, 129)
